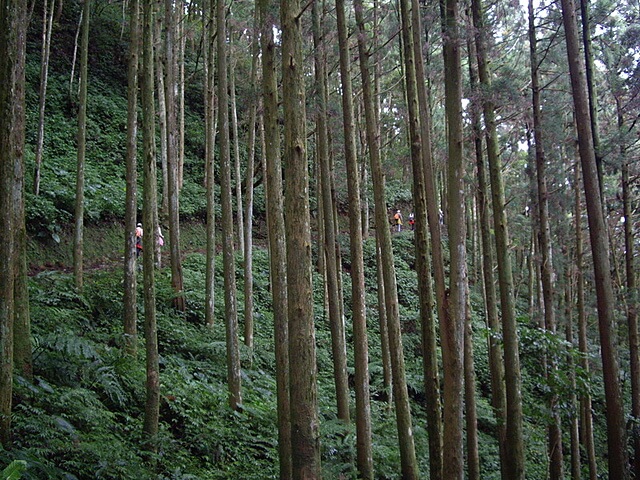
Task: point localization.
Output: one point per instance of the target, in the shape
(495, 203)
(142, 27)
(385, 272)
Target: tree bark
(426, 210)
(47, 28)
(78, 241)
(471, 415)
(13, 31)
(632, 298)
(22, 353)
(229, 265)
(586, 416)
(131, 195)
(152, 404)
(173, 177)
(513, 382)
(247, 231)
(547, 273)
(574, 416)
(356, 234)
(452, 328)
(336, 320)
(236, 143)
(487, 263)
(406, 442)
(210, 132)
(276, 229)
(616, 445)
(305, 437)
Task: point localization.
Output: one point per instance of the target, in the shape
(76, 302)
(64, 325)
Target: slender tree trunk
(585, 16)
(452, 328)
(430, 362)
(162, 115)
(336, 320)
(236, 144)
(305, 437)
(247, 231)
(181, 20)
(229, 265)
(152, 404)
(631, 299)
(78, 242)
(496, 365)
(356, 234)
(408, 461)
(583, 345)
(574, 415)
(131, 204)
(276, 229)
(420, 156)
(471, 415)
(514, 428)
(617, 457)
(47, 28)
(173, 177)
(210, 167)
(384, 329)
(13, 31)
(22, 352)
(556, 470)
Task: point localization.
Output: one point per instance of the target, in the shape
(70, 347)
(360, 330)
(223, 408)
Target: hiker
(398, 220)
(139, 233)
(412, 221)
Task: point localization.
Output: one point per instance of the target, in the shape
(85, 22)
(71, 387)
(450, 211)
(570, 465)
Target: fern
(14, 470)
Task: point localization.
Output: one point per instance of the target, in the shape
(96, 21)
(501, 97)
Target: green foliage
(14, 470)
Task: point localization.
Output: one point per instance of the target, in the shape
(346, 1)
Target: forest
(302, 240)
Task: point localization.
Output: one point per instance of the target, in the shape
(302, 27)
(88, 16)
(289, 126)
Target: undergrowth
(82, 415)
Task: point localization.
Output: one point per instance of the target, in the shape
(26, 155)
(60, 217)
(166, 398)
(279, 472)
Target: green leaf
(14, 470)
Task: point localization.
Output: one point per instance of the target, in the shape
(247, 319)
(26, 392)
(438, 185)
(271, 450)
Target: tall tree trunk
(408, 461)
(305, 437)
(236, 143)
(471, 415)
(229, 265)
(181, 20)
(632, 299)
(514, 428)
(496, 365)
(574, 415)
(210, 132)
(247, 231)
(556, 470)
(336, 320)
(162, 114)
(152, 404)
(356, 234)
(78, 241)
(131, 204)
(47, 28)
(616, 438)
(427, 222)
(385, 353)
(452, 328)
(276, 229)
(13, 31)
(22, 352)
(419, 124)
(586, 415)
(173, 177)
(589, 62)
